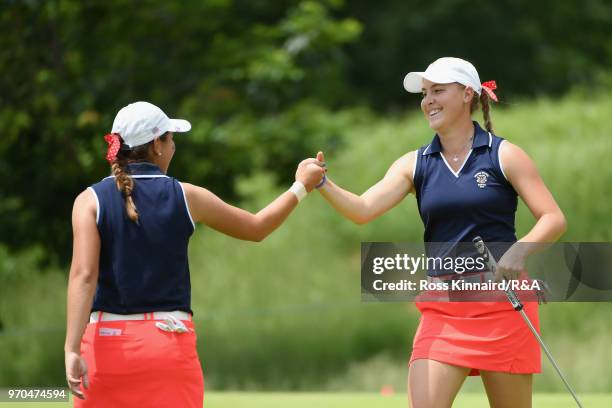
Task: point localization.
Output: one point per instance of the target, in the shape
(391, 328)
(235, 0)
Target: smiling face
(445, 104)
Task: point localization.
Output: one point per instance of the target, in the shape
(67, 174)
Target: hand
(310, 173)
(512, 264)
(316, 161)
(76, 368)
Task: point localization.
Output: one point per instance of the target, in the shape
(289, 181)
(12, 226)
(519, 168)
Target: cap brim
(413, 81)
(179, 125)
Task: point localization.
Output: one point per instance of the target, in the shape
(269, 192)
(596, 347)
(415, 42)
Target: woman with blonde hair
(466, 182)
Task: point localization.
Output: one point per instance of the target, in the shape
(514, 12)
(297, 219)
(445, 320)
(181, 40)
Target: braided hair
(125, 183)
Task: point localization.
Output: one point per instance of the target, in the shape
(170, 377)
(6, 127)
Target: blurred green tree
(254, 77)
(259, 80)
(529, 47)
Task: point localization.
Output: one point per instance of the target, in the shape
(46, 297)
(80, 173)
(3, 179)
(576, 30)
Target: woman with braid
(466, 182)
(130, 339)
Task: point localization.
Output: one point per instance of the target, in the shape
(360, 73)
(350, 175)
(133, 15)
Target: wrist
(299, 190)
(72, 348)
(322, 183)
(522, 249)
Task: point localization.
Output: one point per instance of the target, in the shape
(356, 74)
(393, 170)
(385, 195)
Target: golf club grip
(482, 249)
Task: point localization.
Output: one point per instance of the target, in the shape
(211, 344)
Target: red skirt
(489, 336)
(135, 364)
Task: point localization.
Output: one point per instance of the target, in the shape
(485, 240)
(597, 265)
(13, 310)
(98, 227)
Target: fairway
(354, 400)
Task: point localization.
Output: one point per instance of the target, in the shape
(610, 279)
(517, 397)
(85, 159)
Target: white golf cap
(140, 122)
(445, 70)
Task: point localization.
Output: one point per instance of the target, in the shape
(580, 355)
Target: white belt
(95, 317)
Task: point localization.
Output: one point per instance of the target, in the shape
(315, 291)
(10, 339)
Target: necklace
(456, 155)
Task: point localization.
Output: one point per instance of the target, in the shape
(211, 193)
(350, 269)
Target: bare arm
(209, 209)
(81, 285)
(525, 178)
(550, 221)
(379, 198)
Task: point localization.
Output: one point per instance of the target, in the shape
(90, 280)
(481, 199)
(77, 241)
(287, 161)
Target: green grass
(286, 314)
(282, 400)
(355, 400)
(296, 292)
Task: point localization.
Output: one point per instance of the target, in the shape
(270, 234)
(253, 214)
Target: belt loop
(100, 316)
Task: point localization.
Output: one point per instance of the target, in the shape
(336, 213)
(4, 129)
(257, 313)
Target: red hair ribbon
(489, 86)
(113, 146)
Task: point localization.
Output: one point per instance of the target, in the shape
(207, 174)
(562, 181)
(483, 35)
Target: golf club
(518, 306)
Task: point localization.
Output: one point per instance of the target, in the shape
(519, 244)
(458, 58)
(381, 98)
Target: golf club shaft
(518, 306)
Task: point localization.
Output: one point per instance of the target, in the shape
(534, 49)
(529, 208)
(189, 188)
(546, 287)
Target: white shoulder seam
(501, 166)
(414, 167)
(186, 204)
(97, 204)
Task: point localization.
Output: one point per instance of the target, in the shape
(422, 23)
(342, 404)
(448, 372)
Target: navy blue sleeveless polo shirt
(456, 207)
(144, 266)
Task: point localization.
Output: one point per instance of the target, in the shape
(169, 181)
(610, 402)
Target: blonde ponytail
(483, 101)
(486, 114)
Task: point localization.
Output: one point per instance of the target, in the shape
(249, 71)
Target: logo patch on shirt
(481, 178)
(107, 331)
